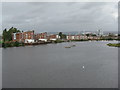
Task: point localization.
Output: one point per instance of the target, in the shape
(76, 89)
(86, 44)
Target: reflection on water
(88, 65)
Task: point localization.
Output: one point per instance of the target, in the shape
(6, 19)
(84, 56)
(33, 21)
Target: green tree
(7, 34)
(16, 44)
(87, 35)
(60, 34)
(94, 35)
(63, 36)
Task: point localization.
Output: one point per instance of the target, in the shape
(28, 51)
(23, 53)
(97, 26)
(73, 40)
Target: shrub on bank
(17, 44)
(58, 41)
(12, 44)
(114, 44)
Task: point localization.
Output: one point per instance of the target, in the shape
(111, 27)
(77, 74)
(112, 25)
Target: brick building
(53, 37)
(17, 37)
(26, 37)
(41, 37)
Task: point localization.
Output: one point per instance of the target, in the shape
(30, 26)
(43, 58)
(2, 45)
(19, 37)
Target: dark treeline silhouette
(7, 34)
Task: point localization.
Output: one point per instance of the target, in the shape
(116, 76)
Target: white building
(45, 40)
(29, 40)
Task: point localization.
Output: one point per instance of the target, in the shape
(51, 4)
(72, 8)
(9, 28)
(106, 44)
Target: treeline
(12, 44)
(7, 34)
(7, 38)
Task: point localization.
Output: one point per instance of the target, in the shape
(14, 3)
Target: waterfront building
(31, 37)
(17, 37)
(26, 37)
(83, 37)
(70, 37)
(76, 37)
(41, 37)
(53, 37)
(90, 37)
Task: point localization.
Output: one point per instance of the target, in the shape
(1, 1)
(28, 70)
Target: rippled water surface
(88, 65)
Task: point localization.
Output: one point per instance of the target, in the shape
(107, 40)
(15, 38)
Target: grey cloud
(60, 16)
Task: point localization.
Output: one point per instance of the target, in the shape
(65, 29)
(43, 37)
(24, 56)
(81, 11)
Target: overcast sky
(60, 16)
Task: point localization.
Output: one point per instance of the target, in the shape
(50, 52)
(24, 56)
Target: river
(88, 65)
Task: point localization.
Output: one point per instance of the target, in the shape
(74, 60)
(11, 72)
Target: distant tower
(99, 32)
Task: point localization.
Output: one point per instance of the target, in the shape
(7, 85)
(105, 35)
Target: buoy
(83, 67)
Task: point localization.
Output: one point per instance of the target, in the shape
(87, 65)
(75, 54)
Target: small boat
(67, 47)
(73, 45)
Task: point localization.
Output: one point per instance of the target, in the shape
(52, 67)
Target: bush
(17, 44)
(12, 44)
(58, 41)
(114, 45)
(4, 45)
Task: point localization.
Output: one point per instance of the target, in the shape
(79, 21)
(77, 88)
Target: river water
(0, 68)
(88, 65)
